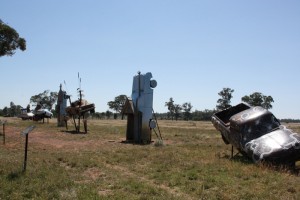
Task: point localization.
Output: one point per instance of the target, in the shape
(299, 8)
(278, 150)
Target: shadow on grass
(280, 167)
(240, 158)
(14, 176)
(237, 157)
(135, 143)
(74, 132)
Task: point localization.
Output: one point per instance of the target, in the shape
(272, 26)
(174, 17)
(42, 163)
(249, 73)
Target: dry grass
(192, 163)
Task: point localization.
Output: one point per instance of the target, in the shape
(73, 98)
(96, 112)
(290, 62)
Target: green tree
(5, 111)
(96, 115)
(258, 99)
(171, 107)
(118, 104)
(267, 104)
(187, 107)
(12, 109)
(45, 99)
(10, 40)
(203, 115)
(225, 100)
(177, 111)
(108, 114)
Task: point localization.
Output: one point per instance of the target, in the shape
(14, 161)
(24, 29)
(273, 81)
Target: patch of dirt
(93, 173)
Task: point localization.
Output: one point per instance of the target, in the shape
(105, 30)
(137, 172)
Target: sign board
(27, 130)
(25, 133)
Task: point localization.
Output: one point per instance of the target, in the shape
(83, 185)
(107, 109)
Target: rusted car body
(257, 133)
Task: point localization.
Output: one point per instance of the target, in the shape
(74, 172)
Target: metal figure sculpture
(78, 109)
(139, 109)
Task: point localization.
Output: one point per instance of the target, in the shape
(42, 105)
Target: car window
(259, 127)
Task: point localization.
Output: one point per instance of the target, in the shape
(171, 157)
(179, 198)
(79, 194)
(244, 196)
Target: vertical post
(66, 123)
(78, 127)
(80, 101)
(25, 154)
(3, 133)
(138, 111)
(26, 133)
(85, 125)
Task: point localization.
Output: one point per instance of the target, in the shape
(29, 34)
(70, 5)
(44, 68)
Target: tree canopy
(171, 107)
(258, 99)
(45, 99)
(10, 40)
(118, 104)
(225, 100)
(187, 108)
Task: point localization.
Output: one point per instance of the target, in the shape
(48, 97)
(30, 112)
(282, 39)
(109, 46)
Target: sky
(193, 48)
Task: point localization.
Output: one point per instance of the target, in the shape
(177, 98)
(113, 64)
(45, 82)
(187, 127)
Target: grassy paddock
(193, 163)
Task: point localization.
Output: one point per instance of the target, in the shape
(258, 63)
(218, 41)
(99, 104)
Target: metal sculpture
(256, 132)
(139, 109)
(78, 110)
(41, 113)
(61, 107)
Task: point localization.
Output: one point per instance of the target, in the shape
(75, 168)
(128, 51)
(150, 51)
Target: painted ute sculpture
(139, 109)
(256, 132)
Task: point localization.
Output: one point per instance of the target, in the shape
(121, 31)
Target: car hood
(43, 111)
(278, 145)
(30, 114)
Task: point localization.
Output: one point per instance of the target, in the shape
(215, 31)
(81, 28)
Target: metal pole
(157, 124)
(25, 157)
(4, 133)
(80, 100)
(138, 112)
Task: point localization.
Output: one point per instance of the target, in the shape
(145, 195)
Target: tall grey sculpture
(61, 107)
(139, 109)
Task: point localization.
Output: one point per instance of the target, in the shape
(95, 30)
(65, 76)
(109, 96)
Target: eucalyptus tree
(10, 40)
(258, 99)
(171, 107)
(225, 99)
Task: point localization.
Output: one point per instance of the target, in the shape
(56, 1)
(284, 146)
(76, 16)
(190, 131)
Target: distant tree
(10, 40)
(225, 100)
(45, 99)
(5, 111)
(12, 109)
(258, 99)
(102, 114)
(118, 104)
(1, 112)
(108, 114)
(267, 104)
(203, 115)
(171, 107)
(177, 111)
(28, 108)
(187, 107)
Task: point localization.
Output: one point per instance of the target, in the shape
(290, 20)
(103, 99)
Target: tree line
(176, 111)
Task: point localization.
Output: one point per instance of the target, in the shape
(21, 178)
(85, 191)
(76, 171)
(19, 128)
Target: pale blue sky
(193, 49)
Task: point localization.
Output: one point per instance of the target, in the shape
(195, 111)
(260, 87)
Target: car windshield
(263, 125)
